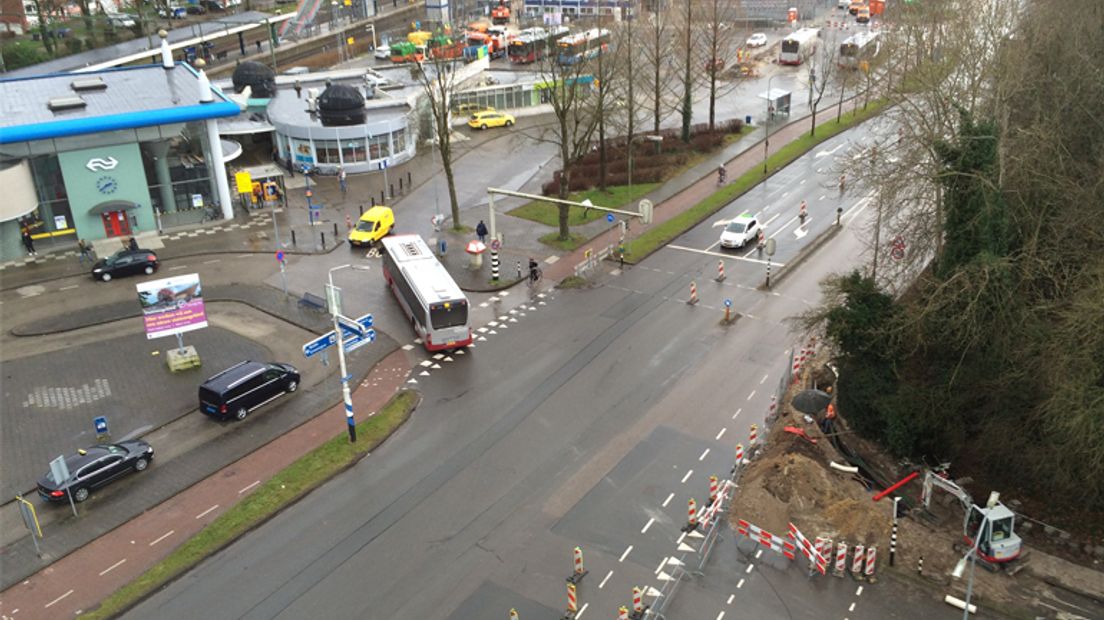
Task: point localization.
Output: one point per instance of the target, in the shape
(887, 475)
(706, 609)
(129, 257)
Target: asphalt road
(579, 418)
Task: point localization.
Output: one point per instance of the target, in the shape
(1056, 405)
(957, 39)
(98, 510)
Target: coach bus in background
(530, 45)
(583, 46)
(858, 49)
(431, 299)
(798, 46)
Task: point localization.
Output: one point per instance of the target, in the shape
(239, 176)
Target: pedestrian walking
(28, 241)
(621, 256)
(481, 231)
(85, 251)
(258, 46)
(341, 178)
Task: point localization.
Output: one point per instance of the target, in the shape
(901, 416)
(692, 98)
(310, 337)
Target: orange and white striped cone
(623, 613)
(692, 516)
(753, 435)
(713, 487)
(720, 271)
(638, 604)
(579, 572)
(693, 293)
(572, 602)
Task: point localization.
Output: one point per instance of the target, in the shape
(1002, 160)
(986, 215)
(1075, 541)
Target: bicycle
(210, 214)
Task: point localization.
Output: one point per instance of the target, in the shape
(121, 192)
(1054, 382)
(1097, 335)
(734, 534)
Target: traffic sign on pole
(319, 344)
(280, 256)
(355, 342)
(100, 423)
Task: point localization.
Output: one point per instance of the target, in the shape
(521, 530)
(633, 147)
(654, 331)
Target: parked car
(741, 230)
(467, 109)
(375, 224)
(490, 118)
(196, 9)
(212, 5)
(94, 467)
(121, 20)
(173, 12)
(242, 388)
(125, 263)
(757, 40)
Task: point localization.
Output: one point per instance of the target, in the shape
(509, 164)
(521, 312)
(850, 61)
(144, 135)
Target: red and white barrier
(693, 293)
(753, 435)
(692, 513)
(812, 554)
(871, 558)
(857, 561)
(739, 453)
(773, 409)
(638, 601)
(572, 601)
(714, 508)
(823, 548)
(623, 613)
(720, 271)
(714, 485)
(579, 572)
(766, 539)
(513, 614)
(841, 558)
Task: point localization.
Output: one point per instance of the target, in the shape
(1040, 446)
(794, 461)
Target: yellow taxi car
(490, 118)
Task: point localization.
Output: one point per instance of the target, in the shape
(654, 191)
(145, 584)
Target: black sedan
(125, 263)
(94, 467)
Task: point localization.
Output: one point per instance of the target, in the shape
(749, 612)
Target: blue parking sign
(101, 425)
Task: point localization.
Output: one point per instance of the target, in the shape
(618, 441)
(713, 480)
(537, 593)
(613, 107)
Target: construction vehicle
(990, 528)
(501, 13)
(405, 51)
(443, 47)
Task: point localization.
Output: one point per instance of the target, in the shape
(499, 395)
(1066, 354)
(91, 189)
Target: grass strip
(283, 489)
(660, 235)
(614, 197)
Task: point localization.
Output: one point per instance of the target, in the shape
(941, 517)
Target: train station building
(105, 154)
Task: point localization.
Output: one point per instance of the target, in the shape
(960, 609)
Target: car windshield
(736, 227)
(366, 226)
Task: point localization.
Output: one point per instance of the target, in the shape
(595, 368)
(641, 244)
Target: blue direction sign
(728, 303)
(319, 344)
(101, 425)
(355, 342)
(609, 217)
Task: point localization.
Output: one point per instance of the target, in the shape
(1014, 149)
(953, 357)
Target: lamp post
(972, 556)
(766, 142)
(332, 294)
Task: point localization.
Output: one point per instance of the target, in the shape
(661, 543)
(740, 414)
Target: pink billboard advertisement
(172, 305)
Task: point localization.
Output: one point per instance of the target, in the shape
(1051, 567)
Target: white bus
(858, 48)
(433, 302)
(798, 46)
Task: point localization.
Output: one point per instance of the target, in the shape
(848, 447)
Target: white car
(757, 40)
(740, 231)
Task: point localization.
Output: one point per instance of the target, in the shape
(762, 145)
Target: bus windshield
(449, 314)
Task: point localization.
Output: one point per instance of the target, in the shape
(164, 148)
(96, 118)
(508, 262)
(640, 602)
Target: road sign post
(770, 252)
(100, 424)
(59, 469)
(30, 519)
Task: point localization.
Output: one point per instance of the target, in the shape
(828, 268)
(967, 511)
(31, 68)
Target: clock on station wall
(107, 184)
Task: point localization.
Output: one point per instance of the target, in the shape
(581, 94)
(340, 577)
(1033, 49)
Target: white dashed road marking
(721, 434)
(255, 483)
(736, 414)
(603, 584)
(668, 500)
(740, 585)
(763, 379)
(703, 455)
(687, 476)
(163, 537)
(625, 554)
(58, 599)
(647, 525)
(750, 396)
(112, 567)
(207, 512)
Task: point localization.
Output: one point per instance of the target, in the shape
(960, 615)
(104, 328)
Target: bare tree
(828, 68)
(687, 58)
(656, 52)
(438, 78)
(717, 41)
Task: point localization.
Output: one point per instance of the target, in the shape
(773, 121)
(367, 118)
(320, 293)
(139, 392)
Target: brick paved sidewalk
(82, 579)
(696, 185)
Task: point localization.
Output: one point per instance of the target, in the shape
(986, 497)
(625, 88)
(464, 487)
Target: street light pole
(972, 555)
(346, 396)
(766, 143)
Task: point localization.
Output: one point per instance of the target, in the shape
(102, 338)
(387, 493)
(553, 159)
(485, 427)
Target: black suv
(125, 263)
(244, 387)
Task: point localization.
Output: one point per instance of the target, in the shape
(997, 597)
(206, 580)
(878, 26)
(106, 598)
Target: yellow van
(376, 223)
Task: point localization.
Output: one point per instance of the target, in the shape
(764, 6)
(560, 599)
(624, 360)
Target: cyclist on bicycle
(721, 173)
(534, 270)
(804, 211)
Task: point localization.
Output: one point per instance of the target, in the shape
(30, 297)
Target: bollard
(494, 265)
(857, 561)
(712, 489)
(720, 272)
(773, 409)
(579, 572)
(692, 516)
(839, 214)
(893, 541)
(572, 602)
(739, 453)
(822, 546)
(519, 269)
(323, 233)
(373, 201)
(871, 559)
(335, 226)
(753, 435)
(920, 567)
(623, 613)
(391, 186)
(400, 185)
(693, 293)
(638, 604)
(841, 558)
(362, 209)
(408, 183)
(383, 200)
(293, 236)
(513, 614)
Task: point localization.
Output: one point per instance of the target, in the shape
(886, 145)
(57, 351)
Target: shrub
(22, 54)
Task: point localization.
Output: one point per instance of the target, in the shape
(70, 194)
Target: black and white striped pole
(495, 242)
(893, 534)
(494, 259)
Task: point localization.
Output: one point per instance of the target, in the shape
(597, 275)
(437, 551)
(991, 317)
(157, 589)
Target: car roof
(91, 453)
(375, 213)
(233, 375)
(743, 217)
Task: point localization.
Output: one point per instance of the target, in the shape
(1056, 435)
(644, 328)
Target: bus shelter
(778, 101)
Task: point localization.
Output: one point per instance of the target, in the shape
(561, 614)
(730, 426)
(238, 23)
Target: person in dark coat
(132, 244)
(481, 231)
(28, 241)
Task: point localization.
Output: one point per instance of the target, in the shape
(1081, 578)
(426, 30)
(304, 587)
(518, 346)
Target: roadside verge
(269, 499)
